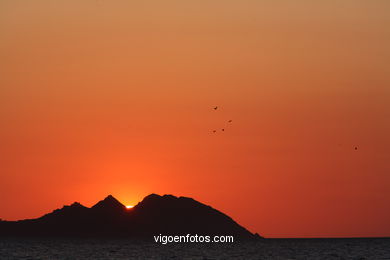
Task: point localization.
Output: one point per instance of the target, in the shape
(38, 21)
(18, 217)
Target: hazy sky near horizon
(103, 97)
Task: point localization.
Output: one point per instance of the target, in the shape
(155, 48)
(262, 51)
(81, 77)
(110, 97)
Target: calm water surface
(73, 249)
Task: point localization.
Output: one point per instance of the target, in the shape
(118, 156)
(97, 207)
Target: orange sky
(103, 97)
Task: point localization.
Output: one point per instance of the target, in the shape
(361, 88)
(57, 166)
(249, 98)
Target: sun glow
(129, 206)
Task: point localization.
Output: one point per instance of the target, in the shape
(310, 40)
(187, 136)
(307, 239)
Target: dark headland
(154, 215)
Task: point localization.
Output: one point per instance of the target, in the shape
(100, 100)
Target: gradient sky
(103, 97)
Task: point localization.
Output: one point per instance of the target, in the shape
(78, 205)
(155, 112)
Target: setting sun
(129, 206)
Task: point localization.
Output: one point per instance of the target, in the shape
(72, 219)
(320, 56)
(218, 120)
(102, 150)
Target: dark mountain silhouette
(109, 206)
(154, 215)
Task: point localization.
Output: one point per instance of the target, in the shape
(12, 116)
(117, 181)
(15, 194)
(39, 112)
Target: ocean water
(73, 249)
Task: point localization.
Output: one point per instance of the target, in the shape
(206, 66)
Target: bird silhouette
(223, 129)
(356, 148)
(215, 108)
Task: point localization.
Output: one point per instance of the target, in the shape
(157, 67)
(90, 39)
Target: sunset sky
(116, 97)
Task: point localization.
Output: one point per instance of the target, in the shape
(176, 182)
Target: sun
(129, 206)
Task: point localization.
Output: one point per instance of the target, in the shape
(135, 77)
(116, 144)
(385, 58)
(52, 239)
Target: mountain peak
(110, 198)
(155, 199)
(109, 203)
(77, 205)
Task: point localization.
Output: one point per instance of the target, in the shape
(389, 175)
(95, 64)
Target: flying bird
(215, 108)
(223, 129)
(356, 148)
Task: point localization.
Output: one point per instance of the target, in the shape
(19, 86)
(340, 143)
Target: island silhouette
(154, 215)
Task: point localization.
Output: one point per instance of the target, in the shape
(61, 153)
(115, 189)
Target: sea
(118, 249)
